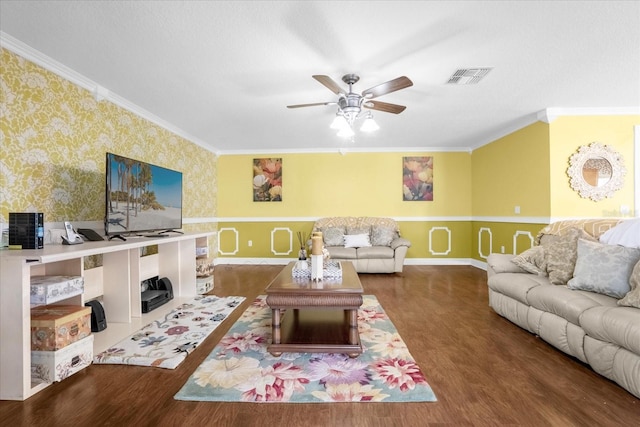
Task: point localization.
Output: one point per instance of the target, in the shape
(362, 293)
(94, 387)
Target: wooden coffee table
(315, 316)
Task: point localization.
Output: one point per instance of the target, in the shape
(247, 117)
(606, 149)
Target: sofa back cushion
(594, 227)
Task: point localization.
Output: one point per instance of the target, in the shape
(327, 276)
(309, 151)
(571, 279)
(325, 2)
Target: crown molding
(553, 113)
(513, 126)
(548, 115)
(345, 150)
(99, 92)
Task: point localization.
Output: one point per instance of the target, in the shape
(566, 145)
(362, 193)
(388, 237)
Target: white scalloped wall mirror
(596, 171)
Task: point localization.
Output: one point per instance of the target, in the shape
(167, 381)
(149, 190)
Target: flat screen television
(141, 198)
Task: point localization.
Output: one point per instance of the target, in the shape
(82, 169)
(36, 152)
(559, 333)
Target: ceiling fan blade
(385, 106)
(310, 105)
(388, 87)
(330, 84)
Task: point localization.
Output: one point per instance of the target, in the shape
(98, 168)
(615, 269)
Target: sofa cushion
(375, 252)
(517, 285)
(333, 236)
(532, 261)
(561, 252)
(617, 325)
(604, 269)
(382, 236)
(632, 299)
(566, 303)
(356, 240)
(340, 252)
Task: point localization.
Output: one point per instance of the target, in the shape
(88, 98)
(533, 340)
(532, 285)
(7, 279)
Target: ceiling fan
(350, 104)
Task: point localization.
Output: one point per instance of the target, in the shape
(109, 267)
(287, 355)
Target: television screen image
(141, 197)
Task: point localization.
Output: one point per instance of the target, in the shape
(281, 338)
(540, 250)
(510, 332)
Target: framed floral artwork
(417, 178)
(267, 180)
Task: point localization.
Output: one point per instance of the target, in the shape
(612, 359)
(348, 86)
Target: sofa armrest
(397, 242)
(501, 263)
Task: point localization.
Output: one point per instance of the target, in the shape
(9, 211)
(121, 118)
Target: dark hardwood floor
(483, 369)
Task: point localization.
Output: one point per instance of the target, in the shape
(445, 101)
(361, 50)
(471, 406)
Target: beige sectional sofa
(569, 290)
(372, 244)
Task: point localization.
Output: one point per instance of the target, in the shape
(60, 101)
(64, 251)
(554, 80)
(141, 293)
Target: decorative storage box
(204, 267)
(202, 251)
(56, 326)
(204, 284)
(51, 366)
(50, 289)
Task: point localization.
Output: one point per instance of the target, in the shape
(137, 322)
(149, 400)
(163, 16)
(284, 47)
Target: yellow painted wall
(513, 171)
(355, 184)
(568, 133)
(54, 138)
(55, 134)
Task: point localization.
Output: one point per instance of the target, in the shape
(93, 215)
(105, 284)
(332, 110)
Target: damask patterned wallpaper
(54, 136)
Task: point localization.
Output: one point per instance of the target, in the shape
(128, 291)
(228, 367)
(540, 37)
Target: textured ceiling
(222, 73)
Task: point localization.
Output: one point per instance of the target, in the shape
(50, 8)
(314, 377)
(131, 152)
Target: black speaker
(98, 319)
(165, 284)
(26, 230)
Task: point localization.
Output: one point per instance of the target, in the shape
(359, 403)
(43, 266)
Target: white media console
(117, 282)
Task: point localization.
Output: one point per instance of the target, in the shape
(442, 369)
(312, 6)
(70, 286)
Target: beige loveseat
(384, 253)
(589, 325)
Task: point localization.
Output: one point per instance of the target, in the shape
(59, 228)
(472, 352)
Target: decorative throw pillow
(333, 236)
(632, 299)
(358, 230)
(532, 261)
(604, 269)
(627, 233)
(356, 240)
(382, 236)
(560, 253)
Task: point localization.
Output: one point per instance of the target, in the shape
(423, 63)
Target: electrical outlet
(502, 249)
(250, 243)
(517, 210)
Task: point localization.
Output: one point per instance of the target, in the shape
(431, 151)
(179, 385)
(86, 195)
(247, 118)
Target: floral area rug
(240, 369)
(166, 342)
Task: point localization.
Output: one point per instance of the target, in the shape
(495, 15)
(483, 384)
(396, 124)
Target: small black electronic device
(98, 319)
(26, 230)
(165, 284)
(156, 292)
(90, 234)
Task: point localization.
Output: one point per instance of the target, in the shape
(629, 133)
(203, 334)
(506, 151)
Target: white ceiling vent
(468, 76)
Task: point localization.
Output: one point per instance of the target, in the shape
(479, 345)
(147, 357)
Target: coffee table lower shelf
(315, 331)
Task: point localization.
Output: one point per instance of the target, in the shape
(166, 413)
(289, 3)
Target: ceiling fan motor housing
(351, 103)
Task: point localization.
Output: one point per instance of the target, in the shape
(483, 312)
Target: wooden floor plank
(483, 369)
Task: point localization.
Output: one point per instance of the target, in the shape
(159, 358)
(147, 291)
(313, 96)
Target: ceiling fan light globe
(369, 125)
(338, 123)
(346, 132)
